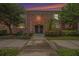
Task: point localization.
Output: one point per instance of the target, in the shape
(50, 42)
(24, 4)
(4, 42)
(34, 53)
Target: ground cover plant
(68, 52)
(8, 52)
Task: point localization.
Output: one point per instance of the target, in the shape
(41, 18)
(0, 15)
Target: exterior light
(21, 26)
(38, 18)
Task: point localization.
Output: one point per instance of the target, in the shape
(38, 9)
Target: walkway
(71, 44)
(37, 46)
(12, 43)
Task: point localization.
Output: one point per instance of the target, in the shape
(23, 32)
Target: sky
(30, 5)
(40, 6)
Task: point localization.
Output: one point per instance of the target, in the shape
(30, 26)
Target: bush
(3, 32)
(54, 33)
(22, 35)
(17, 36)
(63, 33)
(19, 33)
(71, 33)
(8, 52)
(30, 34)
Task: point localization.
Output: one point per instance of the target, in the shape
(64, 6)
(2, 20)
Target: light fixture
(21, 26)
(38, 18)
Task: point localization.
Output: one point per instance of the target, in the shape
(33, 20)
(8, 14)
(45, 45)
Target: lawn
(67, 52)
(9, 52)
(64, 38)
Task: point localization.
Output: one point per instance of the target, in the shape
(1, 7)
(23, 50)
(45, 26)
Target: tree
(70, 13)
(52, 24)
(10, 14)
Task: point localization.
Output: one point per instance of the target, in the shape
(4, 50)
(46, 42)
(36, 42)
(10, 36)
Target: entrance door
(38, 28)
(41, 29)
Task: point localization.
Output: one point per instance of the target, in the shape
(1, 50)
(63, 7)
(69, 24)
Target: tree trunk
(10, 29)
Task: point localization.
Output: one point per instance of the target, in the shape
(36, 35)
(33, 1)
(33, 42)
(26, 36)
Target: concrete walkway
(71, 44)
(37, 46)
(12, 43)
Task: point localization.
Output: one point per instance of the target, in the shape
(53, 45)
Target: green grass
(67, 52)
(63, 38)
(8, 52)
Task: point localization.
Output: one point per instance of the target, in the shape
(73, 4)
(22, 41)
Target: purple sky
(30, 5)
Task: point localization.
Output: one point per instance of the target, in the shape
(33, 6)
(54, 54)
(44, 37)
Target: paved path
(12, 43)
(72, 44)
(37, 46)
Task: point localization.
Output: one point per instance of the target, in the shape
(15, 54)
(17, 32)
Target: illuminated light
(38, 18)
(21, 26)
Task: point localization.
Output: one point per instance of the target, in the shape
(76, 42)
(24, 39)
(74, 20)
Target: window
(56, 16)
(57, 25)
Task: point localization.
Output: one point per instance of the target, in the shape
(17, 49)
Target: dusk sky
(30, 5)
(41, 6)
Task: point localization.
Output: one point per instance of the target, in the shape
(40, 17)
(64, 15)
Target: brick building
(37, 19)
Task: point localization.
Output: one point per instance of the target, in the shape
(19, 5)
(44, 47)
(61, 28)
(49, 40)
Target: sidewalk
(71, 44)
(37, 46)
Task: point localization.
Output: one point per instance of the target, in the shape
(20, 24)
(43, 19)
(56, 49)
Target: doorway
(38, 28)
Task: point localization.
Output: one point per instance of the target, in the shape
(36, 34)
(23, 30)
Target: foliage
(18, 35)
(68, 52)
(64, 38)
(62, 33)
(53, 33)
(50, 24)
(70, 13)
(3, 32)
(10, 14)
(71, 33)
(8, 52)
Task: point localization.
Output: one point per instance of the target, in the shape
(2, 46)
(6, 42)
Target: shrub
(30, 34)
(63, 33)
(3, 32)
(71, 33)
(19, 33)
(54, 33)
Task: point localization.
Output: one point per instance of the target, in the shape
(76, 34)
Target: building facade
(38, 18)
(37, 21)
